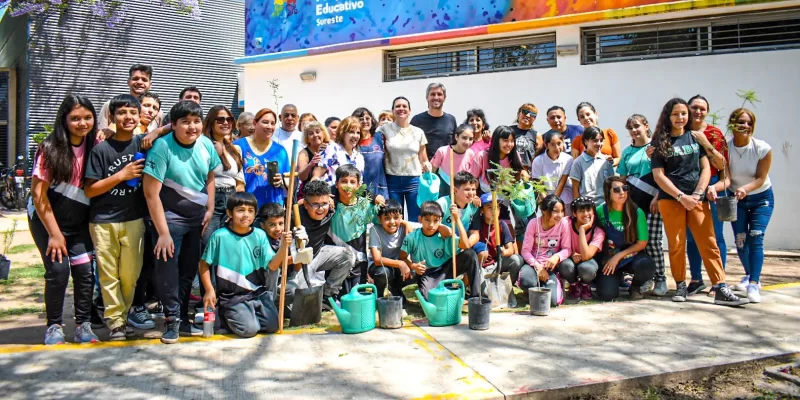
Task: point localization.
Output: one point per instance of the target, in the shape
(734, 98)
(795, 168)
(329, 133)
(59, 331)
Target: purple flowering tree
(112, 12)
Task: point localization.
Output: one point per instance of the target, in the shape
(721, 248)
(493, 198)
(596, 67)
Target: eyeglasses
(222, 120)
(319, 206)
(528, 113)
(621, 189)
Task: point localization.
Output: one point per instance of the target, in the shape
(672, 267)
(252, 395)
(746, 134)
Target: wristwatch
(680, 196)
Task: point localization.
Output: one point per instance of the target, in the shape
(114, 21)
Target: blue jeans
(403, 189)
(695, 261)
(753, 213)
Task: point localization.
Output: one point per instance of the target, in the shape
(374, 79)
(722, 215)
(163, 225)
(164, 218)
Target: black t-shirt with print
(525, 141)
(682, 167)
(122, 203)
(317, 231)
(438, 130)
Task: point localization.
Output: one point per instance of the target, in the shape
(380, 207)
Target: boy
(428, 251)
(271, 216)
(245, 263)
(139, 82)
(384, 243)
(116, 217)
(482, 232)
(466, 187)
(349, 223)
(179, 189)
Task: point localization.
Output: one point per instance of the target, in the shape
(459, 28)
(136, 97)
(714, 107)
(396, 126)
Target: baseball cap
(486, 198)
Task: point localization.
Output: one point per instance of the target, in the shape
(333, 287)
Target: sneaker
(84, 334)
(695, 287)
(680, 293)
(117, 334)
(194, 298)
(637, 293)
(660, 289)
(712, 292)
(648, 286)
(575, 291)
(743, 284)
(139, 318)
(726, 297)
(754, 293)
(189, 329)
(54, 335)
(586, 292)
(156, 310)
(129, 332)
(170, 334)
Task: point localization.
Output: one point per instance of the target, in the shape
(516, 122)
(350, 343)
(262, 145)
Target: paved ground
(519, 356)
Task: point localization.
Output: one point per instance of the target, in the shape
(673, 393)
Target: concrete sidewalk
(576, 349)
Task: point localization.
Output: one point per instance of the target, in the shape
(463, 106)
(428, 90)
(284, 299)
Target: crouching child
(385, 239)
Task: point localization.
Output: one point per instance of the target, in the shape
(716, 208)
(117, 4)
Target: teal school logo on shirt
(439, 253)
(685, 150)
(257, 252)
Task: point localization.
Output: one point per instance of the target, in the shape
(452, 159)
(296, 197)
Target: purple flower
(27, 8)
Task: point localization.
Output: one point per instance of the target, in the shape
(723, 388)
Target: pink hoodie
(539, 245)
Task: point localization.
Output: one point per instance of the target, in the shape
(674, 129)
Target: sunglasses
(528, 113)
(222, 120)
(621, 189)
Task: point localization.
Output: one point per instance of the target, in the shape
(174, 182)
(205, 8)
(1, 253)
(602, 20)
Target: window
(774, 30)
(470, 58)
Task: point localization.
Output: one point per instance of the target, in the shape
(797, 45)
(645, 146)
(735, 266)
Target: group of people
(157, 199)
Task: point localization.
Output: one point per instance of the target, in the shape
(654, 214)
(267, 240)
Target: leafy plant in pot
(8, 238)
(522, 195)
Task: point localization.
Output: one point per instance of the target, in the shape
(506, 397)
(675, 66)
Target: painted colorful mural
(274, 26)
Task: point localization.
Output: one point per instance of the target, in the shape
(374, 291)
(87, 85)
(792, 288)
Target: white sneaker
(754, 293)
(742, 285)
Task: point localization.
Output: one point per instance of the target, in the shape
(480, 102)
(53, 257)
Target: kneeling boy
(384, 242)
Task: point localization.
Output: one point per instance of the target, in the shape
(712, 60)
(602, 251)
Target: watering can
(357, 313)
(443, 307)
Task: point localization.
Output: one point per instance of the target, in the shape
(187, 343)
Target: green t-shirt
(616, 221)
(241, 261)
(435, 250)
(466, 213)
(634, 161)
(349, 226)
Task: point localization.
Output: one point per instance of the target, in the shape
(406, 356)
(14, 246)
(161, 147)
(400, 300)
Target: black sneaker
(117, 334)
(725, 297)
(680, 293)
(188, 329)
(156, 310)
(695, 287)
(170, 334)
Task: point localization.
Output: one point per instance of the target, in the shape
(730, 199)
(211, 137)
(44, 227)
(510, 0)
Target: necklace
(741, 153)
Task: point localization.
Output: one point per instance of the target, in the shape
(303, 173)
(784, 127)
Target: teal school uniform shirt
(241, 262)
(466, 213)
(435, 250)
(349, 225)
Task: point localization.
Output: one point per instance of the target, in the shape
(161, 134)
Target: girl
(588, 118)
(345, 150)
(681, 170)
(547, 243)
(748, 168)
(482, 134)
(587, 239)
(591, 169)
(372, 149)
(228, 176)
(310, 160)
(384, 118)
(462, 156)
(552, 167)
(258, 151)
(635, 165)
(710, 138)
(406, 158)
(625, 227)
(58, 216)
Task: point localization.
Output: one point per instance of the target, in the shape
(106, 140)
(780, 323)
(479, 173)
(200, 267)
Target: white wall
(346, 81)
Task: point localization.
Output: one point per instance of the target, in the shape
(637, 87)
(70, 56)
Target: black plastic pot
(480, 308)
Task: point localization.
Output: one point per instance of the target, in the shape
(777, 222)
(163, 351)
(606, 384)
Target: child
(244, 258)
(116, 219)
(384, 242)
(349, 224)
(428, 251)
(587, 239)
(482, 231)
(547, 243)
(179, 189)
(462, 157)
(466, 186)
(552, 167)
(271, 220)
(591, 169)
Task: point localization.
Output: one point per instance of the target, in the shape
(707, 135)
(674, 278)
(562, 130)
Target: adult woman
(59, 223)
(244, 125)
(229, 175)
(635, 166)
(587, 116)
(306, 118)
(625, 227)
(713, 141)
(483, 135)
(332, 123)
(406, 158)
(551, 166)
(547, 243)
(587, 239)
(528, 140)
(371, 147)
(310, 160)
(385, 117)
(260, 154)
(680, 168)
(345, 150)
(749, 165)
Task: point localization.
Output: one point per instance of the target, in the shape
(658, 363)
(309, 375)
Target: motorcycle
(14, 185)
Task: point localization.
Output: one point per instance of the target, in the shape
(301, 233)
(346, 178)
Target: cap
(486, 198)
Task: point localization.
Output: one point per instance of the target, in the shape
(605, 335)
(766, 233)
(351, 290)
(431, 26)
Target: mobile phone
(272, 169)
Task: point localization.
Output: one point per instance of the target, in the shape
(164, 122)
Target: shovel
(307, 304)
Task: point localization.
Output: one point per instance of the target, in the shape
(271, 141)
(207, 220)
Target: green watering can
(357, 313)
(443, 307)
(526, 207)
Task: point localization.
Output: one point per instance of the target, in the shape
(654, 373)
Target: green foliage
(22, 248)
(8, 236)
(9, 312)
(748, 96)
(511, 188)
(715, 117)
(33, 271)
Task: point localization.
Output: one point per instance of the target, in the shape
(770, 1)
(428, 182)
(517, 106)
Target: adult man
(437, 124)
(557, 119)
(191, 93)
(139, 82)
(526, 138)
(288, 129)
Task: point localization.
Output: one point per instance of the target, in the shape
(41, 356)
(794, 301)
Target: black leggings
(78, 261)
(391, 277)
(466, 263)
(146, 284)
(642, 267)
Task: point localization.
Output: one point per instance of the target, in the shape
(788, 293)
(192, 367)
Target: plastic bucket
(539, 298)
(726, 208)
(479, 310)
(390, 312)
(5, 268)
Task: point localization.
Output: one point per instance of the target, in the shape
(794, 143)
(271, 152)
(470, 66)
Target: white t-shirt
(550, 172)
(402, 149)
(285, 139)
(744, 162)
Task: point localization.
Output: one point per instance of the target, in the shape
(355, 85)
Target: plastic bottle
(209, 318)
(135, 181)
